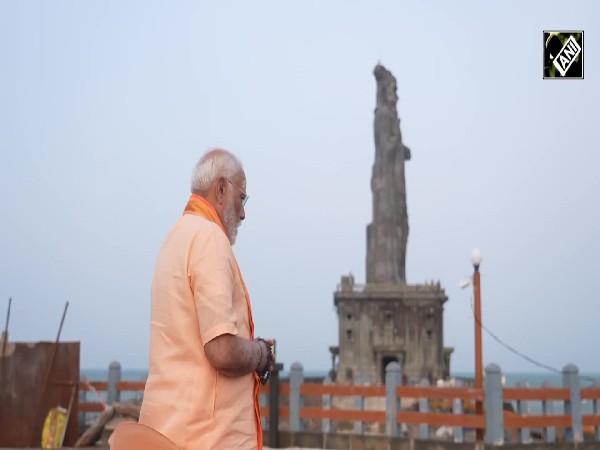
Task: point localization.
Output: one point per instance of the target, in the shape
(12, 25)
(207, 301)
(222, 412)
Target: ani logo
(563, 54)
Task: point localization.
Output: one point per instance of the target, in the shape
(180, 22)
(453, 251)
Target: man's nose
(242, 213)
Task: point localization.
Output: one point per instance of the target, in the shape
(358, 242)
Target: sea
(533, 379)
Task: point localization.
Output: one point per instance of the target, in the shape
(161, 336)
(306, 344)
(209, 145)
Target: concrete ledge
(370, 442)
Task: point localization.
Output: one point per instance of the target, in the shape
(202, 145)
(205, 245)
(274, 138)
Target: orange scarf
(199, 206)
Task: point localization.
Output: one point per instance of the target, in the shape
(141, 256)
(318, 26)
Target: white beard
(231, 222)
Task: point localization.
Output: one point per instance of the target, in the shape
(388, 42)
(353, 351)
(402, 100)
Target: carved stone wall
(379, 324)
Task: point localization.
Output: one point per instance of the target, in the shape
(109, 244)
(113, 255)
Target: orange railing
(102, 386)
(591, 422)
(362, 415)
(440, 400)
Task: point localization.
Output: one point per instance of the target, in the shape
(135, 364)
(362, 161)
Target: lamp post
(476, 261)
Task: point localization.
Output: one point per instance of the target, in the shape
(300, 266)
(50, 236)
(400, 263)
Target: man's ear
(220, 187)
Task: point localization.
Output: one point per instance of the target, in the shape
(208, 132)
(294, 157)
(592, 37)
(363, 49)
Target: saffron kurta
(198, 294)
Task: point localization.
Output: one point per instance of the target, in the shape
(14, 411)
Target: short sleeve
(212, 281)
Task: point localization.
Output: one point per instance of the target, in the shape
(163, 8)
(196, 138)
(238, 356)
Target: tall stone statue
(387, 235)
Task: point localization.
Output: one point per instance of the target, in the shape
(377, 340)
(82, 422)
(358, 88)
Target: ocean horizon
(532, 379)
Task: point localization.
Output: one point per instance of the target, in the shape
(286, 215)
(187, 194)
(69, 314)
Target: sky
(105, 107)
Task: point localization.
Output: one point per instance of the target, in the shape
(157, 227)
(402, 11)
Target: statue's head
(386, 85)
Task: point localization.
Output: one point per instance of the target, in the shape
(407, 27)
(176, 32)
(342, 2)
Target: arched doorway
(385, 360)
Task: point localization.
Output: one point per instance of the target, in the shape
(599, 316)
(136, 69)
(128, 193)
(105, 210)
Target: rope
(520, 354)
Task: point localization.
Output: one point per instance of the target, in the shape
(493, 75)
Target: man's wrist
(261, 357)
(264, 367)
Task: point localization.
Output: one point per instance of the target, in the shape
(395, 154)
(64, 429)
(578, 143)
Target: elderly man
(205, 365)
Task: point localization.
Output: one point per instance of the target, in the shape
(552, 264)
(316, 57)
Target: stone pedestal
(380, 323)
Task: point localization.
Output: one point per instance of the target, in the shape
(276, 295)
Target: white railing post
(114, 377)
(424, 430)
(296, 379)
(494, 418)
(574, 433)
(393, 379)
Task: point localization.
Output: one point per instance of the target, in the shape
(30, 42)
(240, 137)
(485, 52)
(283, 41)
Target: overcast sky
(105, 107)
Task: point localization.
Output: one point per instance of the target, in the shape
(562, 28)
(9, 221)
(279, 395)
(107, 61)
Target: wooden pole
(5, 340)
(274, 407)
(37, 414)
(478, 347)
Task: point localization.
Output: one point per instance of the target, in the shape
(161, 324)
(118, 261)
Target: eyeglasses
(245, 196)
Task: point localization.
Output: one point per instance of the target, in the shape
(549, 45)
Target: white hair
(214, 164)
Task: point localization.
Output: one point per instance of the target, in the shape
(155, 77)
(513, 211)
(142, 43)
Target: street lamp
(476, 261)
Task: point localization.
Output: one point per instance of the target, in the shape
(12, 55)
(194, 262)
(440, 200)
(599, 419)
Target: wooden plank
(515, 421)
(589, 421)
(284, 411)
(265, 411)
(93, 433)
(509, 394)
(434, 392)
(98, 385)
(342, 414)
(590, 393)
(350, 390)
(284, 388)
(128, 410)
(439, 419)
(446, 404)
(91, 407)
(131, 386)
